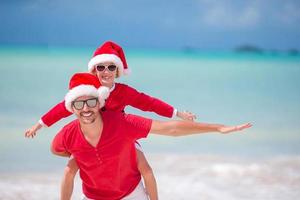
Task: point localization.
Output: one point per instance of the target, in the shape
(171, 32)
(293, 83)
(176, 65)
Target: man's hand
(33, 130)
(186, 115)
(229, 129)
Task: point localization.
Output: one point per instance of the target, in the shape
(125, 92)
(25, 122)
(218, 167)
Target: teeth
(86, 114)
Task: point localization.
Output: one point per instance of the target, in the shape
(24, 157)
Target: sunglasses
(101, 68)
(91, 103)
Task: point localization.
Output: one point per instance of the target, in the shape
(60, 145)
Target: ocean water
(219, 87)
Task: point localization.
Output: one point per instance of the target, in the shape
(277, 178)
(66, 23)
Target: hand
(186, 115)
(33, 130)
(229, 129)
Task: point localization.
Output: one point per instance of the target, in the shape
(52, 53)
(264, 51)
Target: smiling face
(106, 73)
(86, 108)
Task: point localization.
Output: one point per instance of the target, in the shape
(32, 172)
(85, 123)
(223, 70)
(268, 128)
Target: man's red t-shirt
(109, 170)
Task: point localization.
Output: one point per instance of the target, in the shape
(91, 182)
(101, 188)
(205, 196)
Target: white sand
(184, 177)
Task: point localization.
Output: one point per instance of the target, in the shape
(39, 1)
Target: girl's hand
(186, 115)
(33, 130)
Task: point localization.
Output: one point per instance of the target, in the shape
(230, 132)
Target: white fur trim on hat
(103, 93)
(106, 58)
(127, 71)
(81, 90)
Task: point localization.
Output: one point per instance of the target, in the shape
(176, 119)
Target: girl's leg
(147, 174)
(67, 183)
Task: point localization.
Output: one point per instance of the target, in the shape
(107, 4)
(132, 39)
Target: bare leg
(67, 183)
(148, 176)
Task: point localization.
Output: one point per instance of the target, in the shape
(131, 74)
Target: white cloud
(289, 14)
(226, 14)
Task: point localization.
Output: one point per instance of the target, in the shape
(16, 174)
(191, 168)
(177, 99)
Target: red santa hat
(85, 84)
(110, 52)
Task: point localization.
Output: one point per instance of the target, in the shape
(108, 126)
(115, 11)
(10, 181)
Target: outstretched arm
(182, 128)
(146, 102)
(55, 114)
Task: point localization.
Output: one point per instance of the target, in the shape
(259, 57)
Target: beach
(219, 87)
(182, 177)
(228, 62)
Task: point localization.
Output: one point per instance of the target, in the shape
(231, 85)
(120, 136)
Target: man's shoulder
(70, 127)
(117, 117)
(122, 87)
(119, 114)
(135, 118)
(108, 114)
(132, 119)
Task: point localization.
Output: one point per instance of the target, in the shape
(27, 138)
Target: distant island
(257, 50)
(293, 52)
(248, 49)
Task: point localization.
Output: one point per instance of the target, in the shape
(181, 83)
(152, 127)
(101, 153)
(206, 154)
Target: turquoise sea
(219, 87)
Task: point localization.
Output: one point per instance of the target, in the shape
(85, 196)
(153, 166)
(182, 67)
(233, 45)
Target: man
(102, 142)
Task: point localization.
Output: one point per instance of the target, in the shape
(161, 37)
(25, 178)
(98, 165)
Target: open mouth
(86, 114)
(106, 77)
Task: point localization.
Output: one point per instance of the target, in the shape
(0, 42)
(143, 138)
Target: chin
(106, 82)
(87, 121)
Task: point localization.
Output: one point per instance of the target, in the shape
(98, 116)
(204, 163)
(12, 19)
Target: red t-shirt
(109, 170)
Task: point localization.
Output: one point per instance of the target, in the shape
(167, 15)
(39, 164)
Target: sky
(202, 24)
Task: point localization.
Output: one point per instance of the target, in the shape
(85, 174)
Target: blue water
(219, 87)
